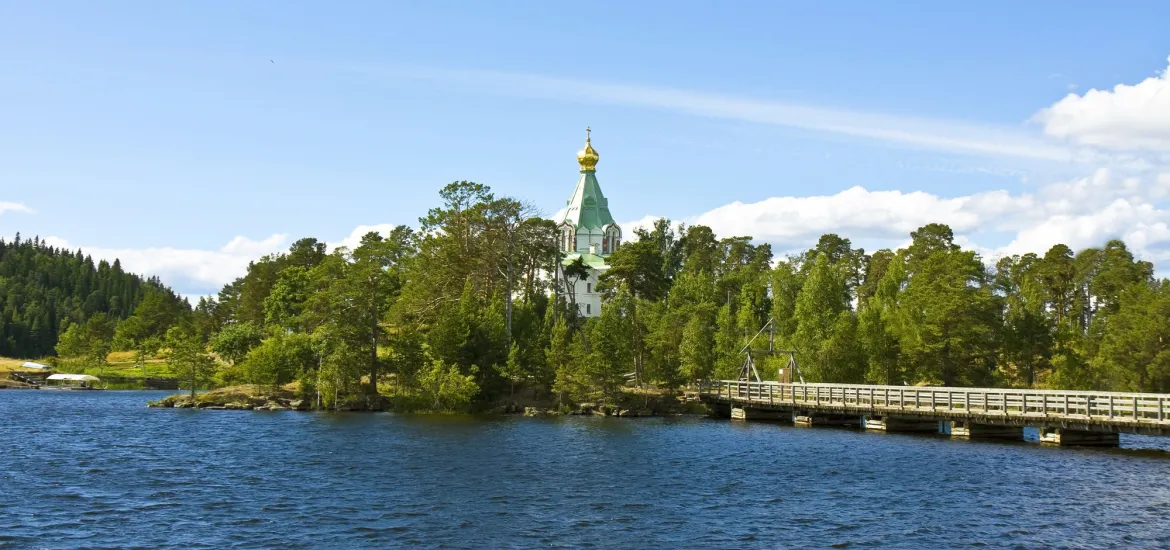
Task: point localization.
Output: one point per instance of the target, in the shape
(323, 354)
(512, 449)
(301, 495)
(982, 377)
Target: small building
(587, 231)
(72, 381)
(37, 366)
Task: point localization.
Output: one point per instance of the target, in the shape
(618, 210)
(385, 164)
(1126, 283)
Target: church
(587, 231)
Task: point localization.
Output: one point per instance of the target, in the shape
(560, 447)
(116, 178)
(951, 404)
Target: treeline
(459, 311)
(46, 290)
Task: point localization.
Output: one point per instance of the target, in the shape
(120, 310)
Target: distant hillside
(44, 289)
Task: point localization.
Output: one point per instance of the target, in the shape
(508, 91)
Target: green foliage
(512, 370)
(460, 312)
(697, 350)
(445, 387)
(233, 342)
(278, 359)
(1135, 350)
(188, 357)
(45, 290)
(88, 342)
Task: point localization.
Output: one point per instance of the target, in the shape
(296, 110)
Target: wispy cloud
(934, 134)
(14, 207)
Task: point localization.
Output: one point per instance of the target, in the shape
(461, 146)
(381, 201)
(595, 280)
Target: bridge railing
(1076, 405)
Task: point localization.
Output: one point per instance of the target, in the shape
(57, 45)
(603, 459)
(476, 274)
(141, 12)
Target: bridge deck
(1146, 413)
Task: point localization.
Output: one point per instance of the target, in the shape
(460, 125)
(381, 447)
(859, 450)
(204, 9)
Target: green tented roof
(587, 208)
(592, 260)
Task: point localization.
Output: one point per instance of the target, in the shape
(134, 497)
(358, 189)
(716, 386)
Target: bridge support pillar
(814, 418)
(899, 424)
(719, 410)
(748, 413)
(961, 429)
(1068, 438)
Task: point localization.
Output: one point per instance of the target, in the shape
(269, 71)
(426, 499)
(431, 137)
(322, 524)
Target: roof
(74, 377)
(592, 260)
(31, 365)
(587, 207)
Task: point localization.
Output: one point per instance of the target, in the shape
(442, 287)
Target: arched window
(567, 244)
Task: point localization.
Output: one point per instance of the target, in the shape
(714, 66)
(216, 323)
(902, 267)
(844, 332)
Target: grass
(10, 365)
(118, 366)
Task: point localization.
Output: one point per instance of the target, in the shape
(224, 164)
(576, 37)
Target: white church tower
(588, 232)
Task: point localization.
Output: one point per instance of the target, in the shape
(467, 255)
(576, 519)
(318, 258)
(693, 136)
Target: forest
(458, 313)
(46, 290)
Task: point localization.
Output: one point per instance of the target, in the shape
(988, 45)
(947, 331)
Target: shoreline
(237, 398)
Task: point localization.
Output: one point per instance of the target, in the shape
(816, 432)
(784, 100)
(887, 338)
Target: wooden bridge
(1062, 417)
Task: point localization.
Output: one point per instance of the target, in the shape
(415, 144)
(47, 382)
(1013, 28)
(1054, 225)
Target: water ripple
(98, 470)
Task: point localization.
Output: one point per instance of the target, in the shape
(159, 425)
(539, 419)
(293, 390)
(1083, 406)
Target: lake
(99, 469)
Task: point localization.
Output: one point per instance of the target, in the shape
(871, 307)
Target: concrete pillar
(961, 429)
(719, 410)
(748, 413)
(899, 424)
(1068, 438)
(812, 418)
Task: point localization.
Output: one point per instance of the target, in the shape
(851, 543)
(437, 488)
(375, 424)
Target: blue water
(98, 469)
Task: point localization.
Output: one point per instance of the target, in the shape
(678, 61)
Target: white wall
(588, 299)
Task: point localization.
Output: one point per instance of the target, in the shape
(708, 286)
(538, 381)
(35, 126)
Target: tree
(818, 306)
(949, 311)
(636, 269)
(188, 357)
(89, 342)
(278, 359)
(512, 370)
(698, 344)
(574, 272)
(610, 348)
(445, 387)
(1135, 351)
(234, 341)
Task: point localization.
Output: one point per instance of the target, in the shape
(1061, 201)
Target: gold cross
(586, 133)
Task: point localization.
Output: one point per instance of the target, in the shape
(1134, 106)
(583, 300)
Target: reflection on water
(98, 469)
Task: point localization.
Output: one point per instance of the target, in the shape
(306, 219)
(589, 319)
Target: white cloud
(1128, 117)
(355, 237)
(646, 222)
(197, 272)
(14, 207)
(189, 271)
(926, 133)
(1080, 213)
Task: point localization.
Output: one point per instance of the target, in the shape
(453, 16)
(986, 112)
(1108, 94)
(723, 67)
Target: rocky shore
(241, 398)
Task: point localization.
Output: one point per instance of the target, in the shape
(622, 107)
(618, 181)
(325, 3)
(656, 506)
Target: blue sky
(188, 137)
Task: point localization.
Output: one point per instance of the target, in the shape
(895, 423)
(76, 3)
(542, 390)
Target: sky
(189, 138)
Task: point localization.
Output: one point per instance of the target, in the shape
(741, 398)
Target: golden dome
(588, 156)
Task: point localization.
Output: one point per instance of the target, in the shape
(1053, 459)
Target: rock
(214, 407)
(623, 412)
(644, 413)
(184, 405)
(299, 404)
(274, 406)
